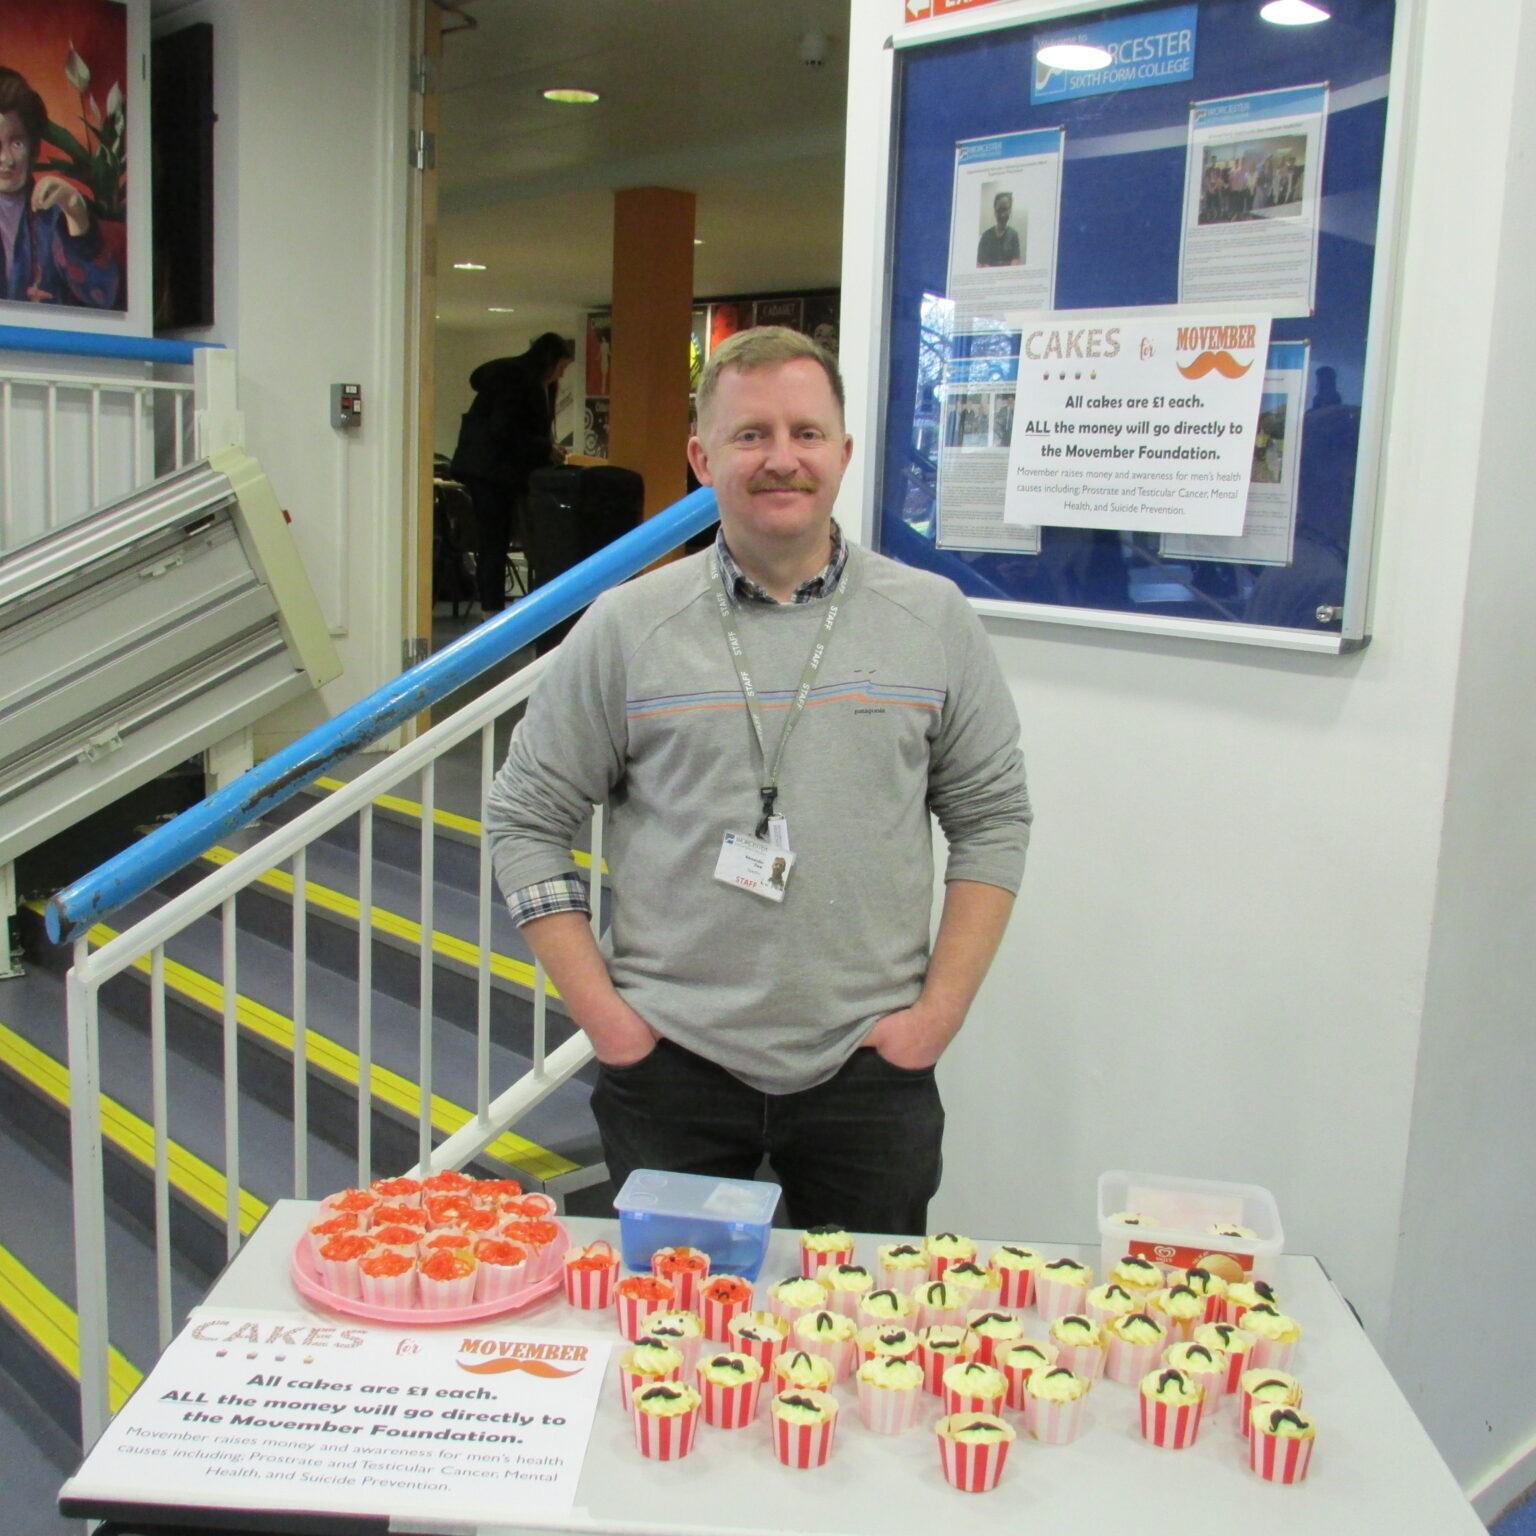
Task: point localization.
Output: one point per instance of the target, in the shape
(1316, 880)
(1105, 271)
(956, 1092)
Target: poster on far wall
(65, 101)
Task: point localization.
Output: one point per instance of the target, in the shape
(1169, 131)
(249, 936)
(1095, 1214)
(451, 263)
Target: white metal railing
(73, 440)
(145, 943)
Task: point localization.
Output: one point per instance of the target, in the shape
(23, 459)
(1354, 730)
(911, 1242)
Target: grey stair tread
(35, 1458)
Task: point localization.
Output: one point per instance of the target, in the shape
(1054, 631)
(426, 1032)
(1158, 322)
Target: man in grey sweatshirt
(770, 724)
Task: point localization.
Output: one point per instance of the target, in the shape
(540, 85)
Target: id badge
(754, 865)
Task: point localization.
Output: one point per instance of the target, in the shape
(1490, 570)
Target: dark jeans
(861, 1150)
(495, 523)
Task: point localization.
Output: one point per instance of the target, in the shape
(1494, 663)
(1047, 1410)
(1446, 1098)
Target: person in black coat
(504, 436)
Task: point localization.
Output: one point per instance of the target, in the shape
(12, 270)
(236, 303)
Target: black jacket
(507, 433)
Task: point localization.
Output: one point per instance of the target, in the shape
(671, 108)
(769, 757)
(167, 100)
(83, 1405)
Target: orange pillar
(652, 312)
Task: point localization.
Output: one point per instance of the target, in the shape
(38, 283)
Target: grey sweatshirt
(642, 709)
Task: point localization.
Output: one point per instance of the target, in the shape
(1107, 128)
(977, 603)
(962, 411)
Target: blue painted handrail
(168, 848)
(137, 349)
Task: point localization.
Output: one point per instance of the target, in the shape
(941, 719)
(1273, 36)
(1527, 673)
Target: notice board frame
(1366, 190)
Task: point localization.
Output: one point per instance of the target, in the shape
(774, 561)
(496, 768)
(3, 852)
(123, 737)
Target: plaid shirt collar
(807, 592)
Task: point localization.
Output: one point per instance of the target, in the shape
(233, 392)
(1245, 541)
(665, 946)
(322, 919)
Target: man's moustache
(767, 483)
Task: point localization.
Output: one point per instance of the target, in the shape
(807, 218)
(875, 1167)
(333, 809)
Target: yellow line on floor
(200, 1182)
(55, 1327)
(445, 944)
(337, 1061)
(451, 819)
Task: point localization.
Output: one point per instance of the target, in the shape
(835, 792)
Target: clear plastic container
(729, 1219)
(1182, 1213)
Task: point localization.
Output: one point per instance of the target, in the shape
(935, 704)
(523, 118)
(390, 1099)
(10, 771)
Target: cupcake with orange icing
(449, 1182)
(501, 1268)
(635, 1299)
(343, 1224)
(686, 1269)
(722, 1297)
(402, 1191)
(387, 1278)
(589, 1275)
(356, 1202)
(339, 1262)
(446, 1280)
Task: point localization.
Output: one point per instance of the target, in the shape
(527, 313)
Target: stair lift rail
(75, 915)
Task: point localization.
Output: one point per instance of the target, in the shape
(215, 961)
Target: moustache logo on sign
(1221, 362)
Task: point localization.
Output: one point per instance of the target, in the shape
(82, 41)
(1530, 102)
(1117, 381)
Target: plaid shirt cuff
(565, 893)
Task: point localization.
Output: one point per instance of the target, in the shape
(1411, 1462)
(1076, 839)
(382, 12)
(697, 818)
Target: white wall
(1248, 945)
(310, 247)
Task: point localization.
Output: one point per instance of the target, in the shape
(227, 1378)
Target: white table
(1374, 1468)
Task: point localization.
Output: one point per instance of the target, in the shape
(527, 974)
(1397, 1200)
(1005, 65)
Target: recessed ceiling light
(697, 241)
(501, 309)
(1293, 13)
(469, 266)
(1076, 56)
(570, 96)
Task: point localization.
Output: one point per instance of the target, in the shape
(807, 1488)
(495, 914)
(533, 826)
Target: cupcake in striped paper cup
(685, 1269)
(447, 1211)
(536, 1206)
(681, 1329)
(544, 1240)
(1262, 1388)
(971, 1386)
(901, 1266)
(759, 1334)
(800, 1368)
(847, 1285)
(396, 1213)
(644, 1363)
(449, 1182)
(1275, 1335)
(820, 1246)
(1109, 1300)
(890, 1393)
(1055, 1404)
(884, 1306)
(722, 1297)
(666, 1418)
(1280, 1445)
(1134, 1343)
(490, 1194)
(973, 1448)
(1080, 1345)
(1181, 1309)
(387, 1278)
(804, 1426)
(636, 1299)
(941, 1346)
(397, 1238)
(889, 1339)
(1207, 1366)
(1242, 1294)
(1141, 1277)
(1236, 1343)
(830, 1335)
(339, 1262)
(345, 1224)
(1207, 1283)
(944, 1249)
(994, 1331)
(1171, 1401)
(795, 1296)
(401, 1191)
(940, 1304)
(501, 1268)
(976, 1283)
(355, 1202)
(1060, 1288)
(1019, 1362)
(589, 1275)
(1016, 1267)
(446, 1279)
(730, 1384)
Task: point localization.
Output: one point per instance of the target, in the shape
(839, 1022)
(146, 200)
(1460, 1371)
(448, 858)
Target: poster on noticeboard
(71, 94)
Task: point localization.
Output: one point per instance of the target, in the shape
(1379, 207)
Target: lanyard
(770, 787)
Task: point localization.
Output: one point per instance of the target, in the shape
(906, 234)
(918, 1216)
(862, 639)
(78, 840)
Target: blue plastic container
(729, 1219)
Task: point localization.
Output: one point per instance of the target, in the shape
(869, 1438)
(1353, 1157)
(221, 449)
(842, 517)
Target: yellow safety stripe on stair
(327, 1056)
(198, 1181)
(392, 923)
(451, 819)
(54, 1326)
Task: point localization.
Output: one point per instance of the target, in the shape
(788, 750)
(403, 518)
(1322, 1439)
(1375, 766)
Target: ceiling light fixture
(570, 96)
(501, 309)
(1075, 56)
(1293, 13)
(697, 241)
(469, 266)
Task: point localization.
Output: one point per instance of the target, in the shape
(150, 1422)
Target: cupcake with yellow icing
(939, 1303)
(1242, 1294)
(729, 1384)
(973, 1449)
(902, 1266)
(1180, 1307)
(1015, 1267)
(804, 1423)
(759, 1334)
(1054, 1404)
(829, 1334)
(941, 1346)
(666, 1418)
(1019, 1362)
(1207, 1283)
(847, 1285)
(1134, 1343)
(890, 1394)
(1261, 1388)
(1060, 1288)
(1206, 1365)
(886, 1339)
(1171, 1401)
(886, 1305)
(820, 1246)
(644, 1363)
(1109, 1300)
(800, 1368)
(682, 1330)
(796, 1296)
(1280, 1445)
(1080, 1345)
(994, 1331)
(1275, 1335)
(944, 1249)
(972, 1386)
(975, 1282)
(1237, 1343)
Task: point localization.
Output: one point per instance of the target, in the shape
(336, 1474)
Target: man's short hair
(19, 97)
(765, 346)
(1000, 197)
